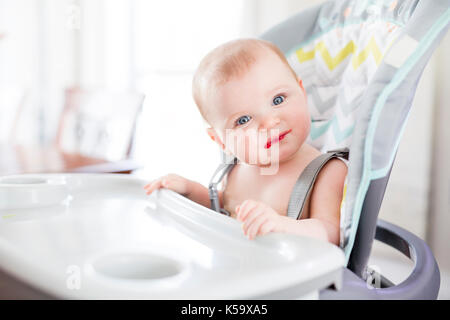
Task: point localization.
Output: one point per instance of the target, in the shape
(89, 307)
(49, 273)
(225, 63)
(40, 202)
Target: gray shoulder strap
(305, 181)
(220, 173)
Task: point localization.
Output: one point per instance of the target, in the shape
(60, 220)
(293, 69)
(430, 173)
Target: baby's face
(264, 111)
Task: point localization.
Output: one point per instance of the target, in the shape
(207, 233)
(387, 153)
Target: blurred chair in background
(96, 130)
(95, 133)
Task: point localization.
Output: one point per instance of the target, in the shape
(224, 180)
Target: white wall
(36, 55)
(18, 67)
(268, 13)
(406, 199)
(438, 234)
(418, 194)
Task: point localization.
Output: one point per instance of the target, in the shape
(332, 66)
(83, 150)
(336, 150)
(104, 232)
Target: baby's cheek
(303, 124)
(307, 126)
(233, 141)
(243, 147)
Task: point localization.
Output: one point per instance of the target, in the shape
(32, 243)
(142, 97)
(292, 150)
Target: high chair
(360, 62)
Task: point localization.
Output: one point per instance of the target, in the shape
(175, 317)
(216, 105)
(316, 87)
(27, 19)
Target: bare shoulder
(328, 189)
(333, 173)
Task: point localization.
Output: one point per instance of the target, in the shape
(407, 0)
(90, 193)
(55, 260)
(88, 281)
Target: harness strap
(220, 173)
(306, 180)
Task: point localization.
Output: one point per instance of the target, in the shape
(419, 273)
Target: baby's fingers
(148, 185)
(171, 181)
(243, 210)
(255, 226)
(153, 186)
(266, 227)
(251, 216)
(176, 183)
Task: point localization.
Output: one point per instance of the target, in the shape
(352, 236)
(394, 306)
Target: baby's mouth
(276, 139)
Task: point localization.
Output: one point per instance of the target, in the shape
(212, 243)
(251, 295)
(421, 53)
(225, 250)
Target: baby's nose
(269, 122)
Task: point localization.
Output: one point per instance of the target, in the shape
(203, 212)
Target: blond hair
(228, 61)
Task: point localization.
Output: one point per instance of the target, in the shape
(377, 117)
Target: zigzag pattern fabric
(336, 69)
(360, 62)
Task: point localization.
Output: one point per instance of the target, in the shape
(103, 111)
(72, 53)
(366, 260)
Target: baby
(247, 86)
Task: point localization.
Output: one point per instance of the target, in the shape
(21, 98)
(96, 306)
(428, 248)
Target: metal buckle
(343, 152)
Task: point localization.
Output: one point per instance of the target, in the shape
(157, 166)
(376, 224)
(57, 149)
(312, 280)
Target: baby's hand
(258, 218)
(171, 181)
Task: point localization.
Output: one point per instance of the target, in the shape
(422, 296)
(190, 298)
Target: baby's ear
(300, 82)
(215, 137)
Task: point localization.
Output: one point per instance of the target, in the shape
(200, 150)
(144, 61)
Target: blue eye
(278, 100)
(243, 120)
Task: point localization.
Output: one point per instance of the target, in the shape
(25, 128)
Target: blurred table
(31, 159)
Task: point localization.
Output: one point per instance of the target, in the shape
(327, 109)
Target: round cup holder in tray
(23, 191)
(138, 266)
(23, 180)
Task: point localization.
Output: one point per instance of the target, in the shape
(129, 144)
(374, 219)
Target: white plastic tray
(98, 236)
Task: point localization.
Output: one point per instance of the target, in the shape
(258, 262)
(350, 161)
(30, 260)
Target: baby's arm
(325, 202)
(200, 194)
(188, 188)
(326, 198)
